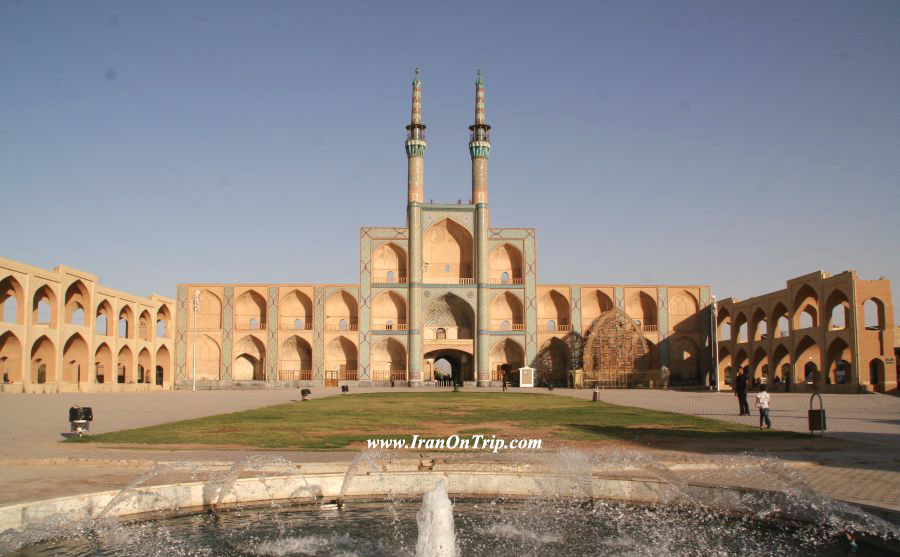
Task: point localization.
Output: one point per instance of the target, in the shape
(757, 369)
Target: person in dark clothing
(504, 371)
(740, 389)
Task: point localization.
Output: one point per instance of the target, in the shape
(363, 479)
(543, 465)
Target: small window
(446, 268)
(390, 276)
(504, 278)
(342, 324)
(440, 334)
(551, 325)
(254, 324)
(389, 325)
(505, 325)
(298, 325)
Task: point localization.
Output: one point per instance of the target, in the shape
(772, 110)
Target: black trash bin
(817, 417)
(80, 418)
(304, 394)
(345, 388)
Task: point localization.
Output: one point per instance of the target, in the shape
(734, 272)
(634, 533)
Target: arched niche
(389, 264)
(447, 254)
(506, 312)
(505, 265)
(341, 312)
(388, 311)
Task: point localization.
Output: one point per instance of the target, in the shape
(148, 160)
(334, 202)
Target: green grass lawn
(340, 422)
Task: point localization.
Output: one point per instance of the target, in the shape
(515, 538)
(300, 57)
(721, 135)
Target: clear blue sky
(730, 143)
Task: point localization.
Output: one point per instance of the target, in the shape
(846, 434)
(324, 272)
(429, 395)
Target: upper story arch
(873, 313)
(447, 253)
(389, 264)
(126, 322)
(163, 322)
(103, 318)
(724, 325)
(837, 309)
(759, 325)
(739, 329)
(388, 311)
(553, 312)
(43, 307)
(209, 315)
(780, 320)
(683, 311)
(145, 327)
(594, 303)
(250, 311)
(806, 308)
(505, 264)
(341, 312)
(77, 302)
(12, 300)
(506, 312)
(295, 311)
(642, 307)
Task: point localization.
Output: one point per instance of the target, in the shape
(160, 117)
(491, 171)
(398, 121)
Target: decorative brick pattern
(662, 319)
(228, 317)
(181, 311)
(318, 344)
(272, 348)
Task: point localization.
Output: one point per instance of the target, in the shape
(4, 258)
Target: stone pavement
(36, 465)
(870, 418)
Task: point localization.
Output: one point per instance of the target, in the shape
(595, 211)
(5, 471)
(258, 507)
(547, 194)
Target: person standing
(740, 389)
(762, 402)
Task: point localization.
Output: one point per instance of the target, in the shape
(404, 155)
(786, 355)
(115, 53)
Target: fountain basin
(543, 483)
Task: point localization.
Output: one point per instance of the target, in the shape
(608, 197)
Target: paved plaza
(37, 465)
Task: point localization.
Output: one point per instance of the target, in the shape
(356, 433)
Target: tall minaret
(415, 154)
(480, 149)
(415, 145)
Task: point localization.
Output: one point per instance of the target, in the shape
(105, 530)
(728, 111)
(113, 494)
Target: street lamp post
(196, 308)
(714, 328)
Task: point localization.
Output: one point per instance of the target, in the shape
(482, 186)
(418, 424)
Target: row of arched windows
(806, 315)
(74, 303)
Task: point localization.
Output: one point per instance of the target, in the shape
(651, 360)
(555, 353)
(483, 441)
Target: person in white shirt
(762, 402)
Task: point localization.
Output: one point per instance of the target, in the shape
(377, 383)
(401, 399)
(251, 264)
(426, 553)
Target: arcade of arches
(832, 333)
(64, 331)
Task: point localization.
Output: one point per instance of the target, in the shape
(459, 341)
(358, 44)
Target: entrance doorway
(454, 365)
(331, 378)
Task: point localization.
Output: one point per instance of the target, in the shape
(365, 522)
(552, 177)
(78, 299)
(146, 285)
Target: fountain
(555, 503)
(437, 535)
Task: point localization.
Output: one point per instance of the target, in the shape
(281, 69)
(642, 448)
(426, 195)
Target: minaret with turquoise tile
(480, 150)
(415, 154)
